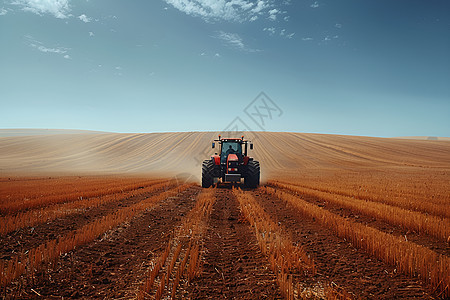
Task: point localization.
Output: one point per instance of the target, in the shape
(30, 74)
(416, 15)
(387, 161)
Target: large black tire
(207, 173)
(251, 180)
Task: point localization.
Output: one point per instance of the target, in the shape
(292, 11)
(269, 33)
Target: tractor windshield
(230, 148)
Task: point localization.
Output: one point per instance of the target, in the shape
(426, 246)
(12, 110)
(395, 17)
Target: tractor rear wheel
(207, 173)
(251, 180)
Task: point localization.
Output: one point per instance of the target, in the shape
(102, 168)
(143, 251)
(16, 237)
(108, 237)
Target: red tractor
(231, 164)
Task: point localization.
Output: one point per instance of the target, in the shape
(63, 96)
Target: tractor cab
(230, 147)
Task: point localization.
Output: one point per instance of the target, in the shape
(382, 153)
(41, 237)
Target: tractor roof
(237, 140)
(240, 141)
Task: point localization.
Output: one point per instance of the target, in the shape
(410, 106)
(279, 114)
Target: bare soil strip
(108, 266)
(172, 272)
(287, 260)
(433, 243)
(338, 262)
(27, 238)
(233, 265)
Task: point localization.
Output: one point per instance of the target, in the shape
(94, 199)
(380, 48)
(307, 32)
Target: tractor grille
(233, 166)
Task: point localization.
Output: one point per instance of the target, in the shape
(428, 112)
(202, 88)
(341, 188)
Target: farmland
(337, 217)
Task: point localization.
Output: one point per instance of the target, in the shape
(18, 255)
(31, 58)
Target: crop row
(182, 254)
(410, 220)
(424, 185)
(50, 251)
(406, 201)
(22, 195)
(27, 189)
(409, 258)
(48, 213)
(285, 258)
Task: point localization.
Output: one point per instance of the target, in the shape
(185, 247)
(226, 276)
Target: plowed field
(336, 218)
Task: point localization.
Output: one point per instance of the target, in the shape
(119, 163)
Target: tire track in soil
(108, 267)
(338, 261)
(424, 240)
(27, 238)
(233, 265)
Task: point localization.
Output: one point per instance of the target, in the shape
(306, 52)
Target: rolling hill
(280, 153)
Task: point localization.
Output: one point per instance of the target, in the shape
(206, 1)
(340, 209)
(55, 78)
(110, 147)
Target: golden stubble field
(105, 215)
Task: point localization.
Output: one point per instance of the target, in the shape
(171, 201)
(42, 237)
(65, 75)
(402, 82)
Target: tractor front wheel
(251, 179)
(207, 173)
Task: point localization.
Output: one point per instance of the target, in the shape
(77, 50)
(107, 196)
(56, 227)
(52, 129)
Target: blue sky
(377, 68)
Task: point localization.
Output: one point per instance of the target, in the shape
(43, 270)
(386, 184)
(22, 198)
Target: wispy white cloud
(290, 35)
(286, 35)
(235, 41)
(84, 18)
(209, 55)
(67, 56)
(337, 25)
(58, 8)
(58, 50)
(232, 39)
(329, 38)
(315, 4)
(307, 39)
(118, 71)
(273, 14)
(91, 33)
(229, 10)
(33, 43)
(270, 30)
(3, 12)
